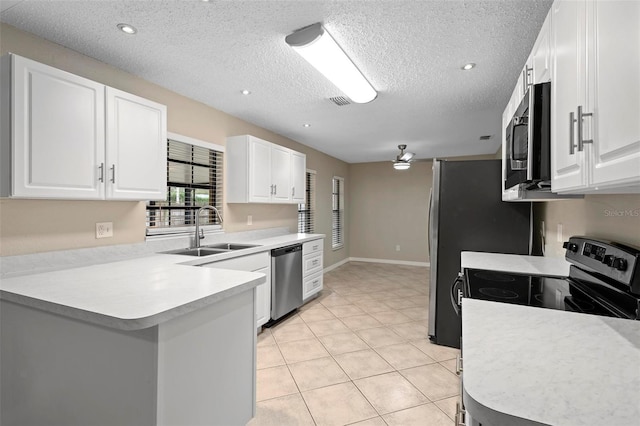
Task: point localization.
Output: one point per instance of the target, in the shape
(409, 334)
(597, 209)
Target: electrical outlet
(398, 247)
(559, 236)
(249, 220)
(104, 230)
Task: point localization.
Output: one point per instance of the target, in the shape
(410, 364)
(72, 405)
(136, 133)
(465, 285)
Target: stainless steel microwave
(528, 135)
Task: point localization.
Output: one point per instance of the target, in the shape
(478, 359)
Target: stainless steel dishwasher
(286, 280)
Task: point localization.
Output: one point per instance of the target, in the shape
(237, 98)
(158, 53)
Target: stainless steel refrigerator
(466, 213)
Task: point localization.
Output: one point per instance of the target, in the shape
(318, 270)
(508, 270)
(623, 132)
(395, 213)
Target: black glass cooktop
(544, 292)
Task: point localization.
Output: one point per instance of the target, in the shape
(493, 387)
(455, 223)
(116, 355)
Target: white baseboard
(335, 265)
(365, 259)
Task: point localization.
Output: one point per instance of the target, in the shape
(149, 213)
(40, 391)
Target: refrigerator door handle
(429, 224)
(456, 293)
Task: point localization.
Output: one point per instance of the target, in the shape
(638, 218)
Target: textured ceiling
(411, 51)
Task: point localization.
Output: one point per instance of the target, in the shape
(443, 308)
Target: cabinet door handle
(572, 146)
(271, 192)
(113, 173)
(458, 365)
(581, 116)
(275, 189)
(460, 415)
(101, 176)
(293, 191)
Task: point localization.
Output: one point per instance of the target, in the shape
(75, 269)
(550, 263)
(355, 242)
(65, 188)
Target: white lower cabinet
(312, 266)
(259, 262)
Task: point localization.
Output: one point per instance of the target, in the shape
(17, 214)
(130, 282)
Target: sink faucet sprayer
(198, 237)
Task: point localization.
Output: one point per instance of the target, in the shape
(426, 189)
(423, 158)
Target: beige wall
(389, 208)
(31, 226)
(614, 217)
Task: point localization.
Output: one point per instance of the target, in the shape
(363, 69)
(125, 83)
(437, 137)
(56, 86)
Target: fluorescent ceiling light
(469, 66)
(246, 92)
(317, 46)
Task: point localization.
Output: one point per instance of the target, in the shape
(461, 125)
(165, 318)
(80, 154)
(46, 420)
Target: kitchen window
(194, 179)
(337, 221)
(306, 210)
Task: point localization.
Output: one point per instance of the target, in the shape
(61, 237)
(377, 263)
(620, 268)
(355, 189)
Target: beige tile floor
(358, 354)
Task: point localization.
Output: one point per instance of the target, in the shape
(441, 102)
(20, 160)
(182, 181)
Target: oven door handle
(456, 290)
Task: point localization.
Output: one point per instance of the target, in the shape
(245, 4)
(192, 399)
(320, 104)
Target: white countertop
(526, 364)
(515, 263)
(141, 292)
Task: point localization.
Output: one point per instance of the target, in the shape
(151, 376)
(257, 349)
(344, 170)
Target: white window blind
(306, 210)
(337, 222)
(194, 179)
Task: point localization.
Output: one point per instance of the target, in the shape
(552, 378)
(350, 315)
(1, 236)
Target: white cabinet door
(541, 53)
(136, 147)
(260, 186)
(298, 176)
(263, 299)
(567, 91)
(57, 132)
(281, 174)
(615, 56)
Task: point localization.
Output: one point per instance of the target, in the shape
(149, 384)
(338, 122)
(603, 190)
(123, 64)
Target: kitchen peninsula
(145, 341)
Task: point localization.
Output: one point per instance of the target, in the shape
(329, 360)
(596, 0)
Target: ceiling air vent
(485, 137)
(340, 100)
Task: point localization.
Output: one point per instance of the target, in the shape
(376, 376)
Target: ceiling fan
(403, 160)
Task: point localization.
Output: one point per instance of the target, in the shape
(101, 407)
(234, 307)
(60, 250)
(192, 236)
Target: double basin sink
(211, 249)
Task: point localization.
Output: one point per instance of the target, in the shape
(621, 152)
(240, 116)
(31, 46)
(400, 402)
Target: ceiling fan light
(401, 165)
(318, 48)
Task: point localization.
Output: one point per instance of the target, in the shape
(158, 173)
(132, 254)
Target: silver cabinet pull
(460, 415)
(572, 146)
(113, 173)
(271, 193)
(581, 116)
(275, 189)
(458, 365)
(101, 176)
(293, 191)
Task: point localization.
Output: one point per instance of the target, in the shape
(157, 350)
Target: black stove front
(604, 279)
(538, 291)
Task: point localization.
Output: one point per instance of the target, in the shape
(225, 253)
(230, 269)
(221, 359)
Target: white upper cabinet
(258, 171)
(67, 137)
(136, 147)
(596, 96)
(615, 103)
(540, 59)
(53, 135)
(298, 176)
(281, 174)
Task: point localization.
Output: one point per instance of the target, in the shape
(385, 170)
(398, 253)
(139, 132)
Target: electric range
(604, 279)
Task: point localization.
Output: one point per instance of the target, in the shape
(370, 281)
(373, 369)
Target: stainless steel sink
(231, 246)
(202, 251)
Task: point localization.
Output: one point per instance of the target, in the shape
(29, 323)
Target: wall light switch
(104, 230)
(249, 220)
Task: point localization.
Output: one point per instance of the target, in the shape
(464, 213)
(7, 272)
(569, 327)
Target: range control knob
(620, 264)
(608, 260)
(570, 246)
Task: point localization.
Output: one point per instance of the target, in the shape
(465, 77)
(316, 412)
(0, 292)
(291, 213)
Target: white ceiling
(410, 50)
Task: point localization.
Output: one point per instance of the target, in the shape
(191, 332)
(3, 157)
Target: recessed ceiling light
(246, 92)
(126, 28)
(469, 66)
(306, 125)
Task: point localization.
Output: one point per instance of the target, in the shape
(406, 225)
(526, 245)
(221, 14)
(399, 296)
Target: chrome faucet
(198, 237)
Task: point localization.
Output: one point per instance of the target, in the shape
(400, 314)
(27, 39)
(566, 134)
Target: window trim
(168, 233)
(340, 194)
